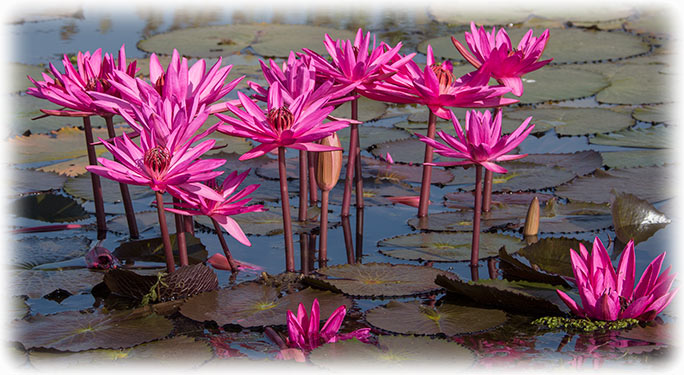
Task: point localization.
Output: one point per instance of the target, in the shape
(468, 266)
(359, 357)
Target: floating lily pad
(380, 169)
(652, 184)
(368, 109)
(651, 21)
(37, 284)
(81, 187)
(393, 352)
(18, 73)
(575, 121)
(146, 221)
(552, 254)
(446, 247)
(637, 158)
(551, 84)
(177, 353)
(270, 223)
(228, 143)
(414, 318)
(76, 331)
(371, 135)
(418, 118)
(27, 107)
(515, 270)
(580, 162)
(48, 207)
(375, 192)
(18, 309)
(72, 167)
(265, 39)
(65, 143)
(29, 181)
(465, 200)
(29, 252)
(378, 279)
(253, 305)
(636, 84)
(152, 250)
(521, 176)
(636, 219)
(500, 294)
(656, 137)
(408, 151)
(656, 114)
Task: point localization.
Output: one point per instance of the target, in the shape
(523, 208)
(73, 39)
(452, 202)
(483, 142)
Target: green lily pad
(552, 84)
(75, 331)
(65, 143)
(407, 151)
(265, 39)
(636, 219)
(500, 294)
(370, 135)
(146, 221)
(81, 187)
(18, 73)
(152, 250)
(636, 84)
(521, 176)
(580, 162)
(37, 284)
(393, 352)
(414, 318)
(465, 200)
(49, 207)
(575, 121)
(418, 118)
(30, 181)
(552, 254)
(368, 109)
(655, 113)
(652, 184)
(380, 169)
(232, 144)
(375, 192)
(515, 270)
(656, 137)
(651, 21)
(27, 107)
(29, 252)
(270, 223)
(72, 167)
(638, 158)
(254, 305)
(446, 247)
(179, 352)
(378, 279)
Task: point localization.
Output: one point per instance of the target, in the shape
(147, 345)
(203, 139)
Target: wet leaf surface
(655, 114)
(49, 207)
(636, 84)
(446, 247)
(152, 250)
(552, 254)
(636, 219)
(29, 252)
(75, 331)
(253, 305)
(415, 318)
(378, 279)
(37, 284)
(30, 181)
(655, 137)
(637, 158)
(574, 121)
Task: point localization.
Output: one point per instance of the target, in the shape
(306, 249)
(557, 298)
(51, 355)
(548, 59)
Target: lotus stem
(125, 194)
(287, 219)
(474, 273)
(168, 251)
(95, 179)
(358, 177)
(304, 253)
(224, 246)
(351, 161)
(323, 244)
(189, 225)
(427, 169)
(491, 267)
(475, 249)
(359, 233)
(303, 185)
(47, 228)
(487, 193)
(313, 191)
(275, 337)
(349, 246)
(312, 251)
(180, 237)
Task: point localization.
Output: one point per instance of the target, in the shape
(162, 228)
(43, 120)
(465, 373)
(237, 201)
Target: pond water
(516, 343)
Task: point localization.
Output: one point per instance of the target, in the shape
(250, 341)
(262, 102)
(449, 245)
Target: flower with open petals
(495, 51)
(480, 142)
(303, 330)
(233, 202)
(295, 126)
(609, 294)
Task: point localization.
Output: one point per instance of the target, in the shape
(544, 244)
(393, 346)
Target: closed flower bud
(532, 220)
(328, 164)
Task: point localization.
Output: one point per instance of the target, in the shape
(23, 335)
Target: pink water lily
(480, 142)
(100, 258)
(304, 333)
(495, 51)
(610, 294)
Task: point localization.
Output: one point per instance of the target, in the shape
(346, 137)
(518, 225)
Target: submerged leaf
(36, 284)
(635, 218)
(48, 207)
(152, 250)
(552, 254)
(515, 270)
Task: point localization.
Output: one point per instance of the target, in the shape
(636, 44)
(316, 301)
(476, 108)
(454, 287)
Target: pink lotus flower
(232, 202)
(93, 72)
(495, 51)
(296, 126)
(304, 333)
(100, 258)
(409, 200)
(608, 294)
(480, 142)
(219, 261)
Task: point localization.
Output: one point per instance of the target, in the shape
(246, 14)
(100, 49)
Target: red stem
(95, 179)
(313, 187)
(189, 224)
(359, 233)
(180, 237)
(287, 219)
(427, 169)
(475, 249)
(346, 229)
(303, 185)
(168, 251)
(125, 194)
(224, 246)
(312, 251)
(351, 162)
(487, 194)
(304, 253)
(323, 244)
(491, 265)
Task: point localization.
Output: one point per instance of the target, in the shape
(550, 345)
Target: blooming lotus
(610, 294)
(495, 51)
(480, 142)
(100, 258)
(303, 331)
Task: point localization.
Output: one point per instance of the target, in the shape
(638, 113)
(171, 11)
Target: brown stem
(168, 251)
(427, 169)
(351, 162)
(323, 244)
(359, 234)
(303, 185)
(312, 251)
(349, 246)
(475, 249)
(275, 337)
(474, 273)
(487, 193)
(125, 194)
(304, 253)
(95, 179)
(180, 237)
(224, 246)
(491, 267)
(313, 187)
(189, 225)
(287, 219)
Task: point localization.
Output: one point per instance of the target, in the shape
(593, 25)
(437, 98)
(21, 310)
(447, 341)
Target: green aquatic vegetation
(583, 324)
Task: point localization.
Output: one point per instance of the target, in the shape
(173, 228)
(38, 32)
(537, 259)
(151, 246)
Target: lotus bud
(532, 220)
(328, 164)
